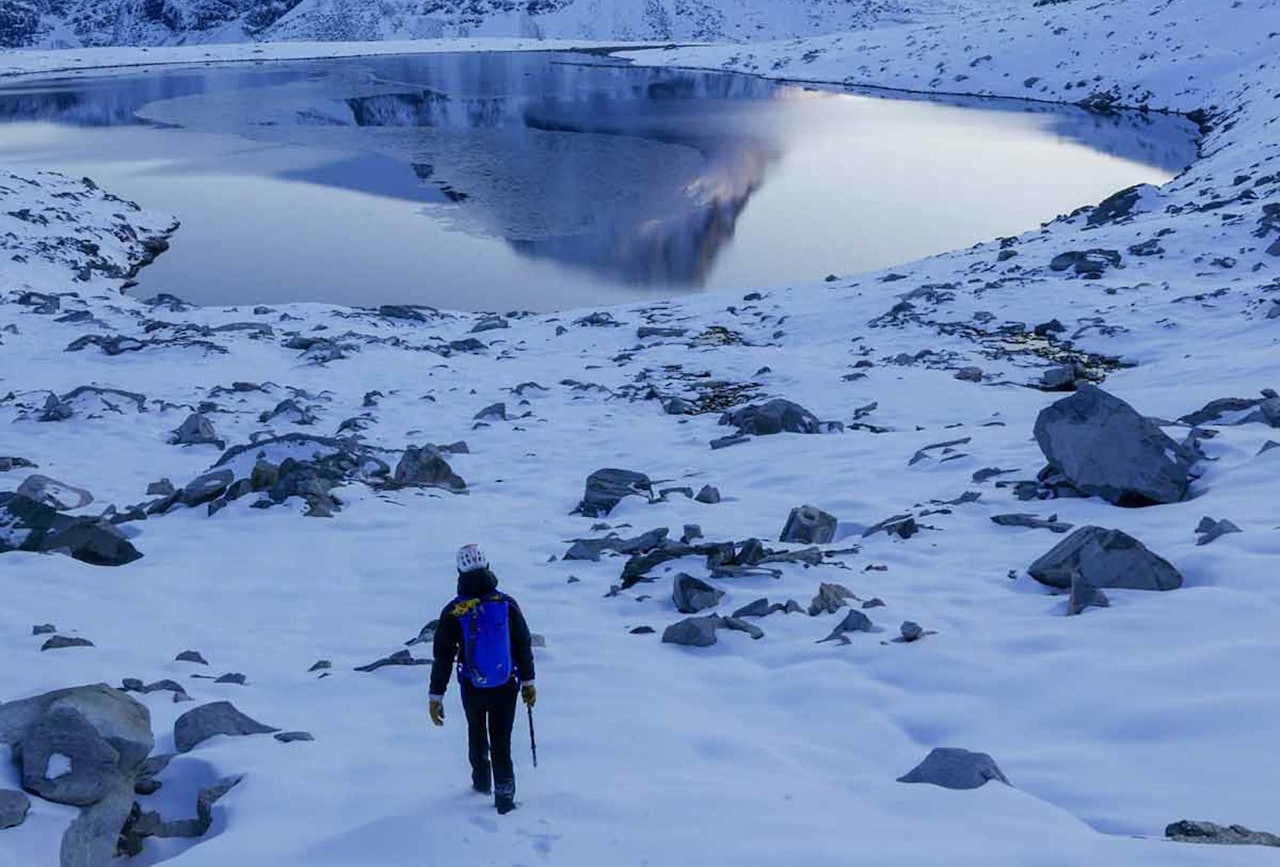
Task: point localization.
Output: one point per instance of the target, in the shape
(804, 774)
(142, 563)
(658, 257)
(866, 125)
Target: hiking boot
(482, 782)
(482, 788)
(504, 803)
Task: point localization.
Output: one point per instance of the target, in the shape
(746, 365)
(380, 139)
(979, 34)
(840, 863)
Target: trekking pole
(533, 742)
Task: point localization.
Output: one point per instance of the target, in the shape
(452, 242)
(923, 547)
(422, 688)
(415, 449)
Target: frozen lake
(546, 180)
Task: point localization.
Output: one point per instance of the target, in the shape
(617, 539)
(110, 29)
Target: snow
(58, 766)
(1108, 725)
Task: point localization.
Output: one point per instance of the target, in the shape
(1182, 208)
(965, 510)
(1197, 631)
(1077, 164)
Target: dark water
(537, 181)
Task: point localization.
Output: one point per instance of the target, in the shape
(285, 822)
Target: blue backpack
(486, 659)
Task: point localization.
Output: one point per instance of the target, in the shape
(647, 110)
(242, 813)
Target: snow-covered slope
(1108, 725)
(72, 23)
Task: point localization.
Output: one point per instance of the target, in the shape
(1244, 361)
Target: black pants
(491, 714)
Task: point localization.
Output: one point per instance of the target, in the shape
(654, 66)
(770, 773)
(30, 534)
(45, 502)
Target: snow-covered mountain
(71, 23)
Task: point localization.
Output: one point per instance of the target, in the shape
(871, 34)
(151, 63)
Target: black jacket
(448, 641)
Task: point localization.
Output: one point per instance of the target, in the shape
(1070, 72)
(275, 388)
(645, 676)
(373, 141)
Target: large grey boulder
(955, 769)
(1104, 447)
(65, 760)
(692, 632)
(854, 621)
(692, 595)
(607, 487)
(1104, 558)
(124, 723)
(809, 525)
(29, 525)
(53, 493)
(1226, 835)
(426, 468)
(196, 430)
(216, 718)
(775, 416)
(13, 808)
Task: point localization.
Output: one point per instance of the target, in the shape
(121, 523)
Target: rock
(400, 657)
(692, 595)
(955, 769)
(691, 533)
(27, 525)
(590, 549)
(709, 495)
(65, 760)
(969, 374)
(426, 468)
(55, 409)
(191, 656)
(209, 720)
(644, 332)
(830, 598)
(493, 412)
(206, 487)
(692, 632)
(92, 837)
(874, 602)
(1104, 559)
(43, 629)
(607, 487)
(196, 430)
(902, 526)
(854, 621)
(1105, 448)
(1033, 522)
(731, 440)
(1215, 409)
(775, 416)
(13, 808)
(679, 406)
(53, 493)
(1085, 595)
(1209, 530)
(10, 463)
(1230, 835)
(490, 323)
(234, 677)
(736, 625)
(643, 630)
(151, 825)
(58, 642)
(809, 525)
(758, 608)
(290, 737)
(1086, 263)
(911, 631)
(1063, 377)
(407, 312)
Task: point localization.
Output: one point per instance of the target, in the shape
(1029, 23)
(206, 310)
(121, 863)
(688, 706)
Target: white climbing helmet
(470, 558)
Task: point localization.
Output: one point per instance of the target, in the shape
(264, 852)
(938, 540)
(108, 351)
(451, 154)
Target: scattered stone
(854, 621)
(946, 448)
(28, 525)
(643, 630)
(874, 602)
(493, 412)
(320, 665)
(162, 488)
(691, 532)
(490, 323)
(830, 598)
(692, 632)
(1033, 521)
(969, 374)
(196, 430)
(1229, 835)
(775, 416)
(911, 631)
(1105, 448)
(290, 737)
(1086, 263)
(736, 625)
(606, 488)
(142, 825)
(902, 526)
(231, 677)
(58, 642)
(989, 473)
(43, 629)
(1209, 530)
(1063, 377)
(644, 332)
(709, 495)
(955, 769)
(1104, 559)
(692, 595)
(591, 549)
(190, 656)
(13, 808)
(426, 468)
(217, 718)
(731, 440)
(809, 525)
(10, 463)
(400, 657)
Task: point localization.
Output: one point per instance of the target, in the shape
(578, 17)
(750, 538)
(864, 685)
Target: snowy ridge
(1108, 725)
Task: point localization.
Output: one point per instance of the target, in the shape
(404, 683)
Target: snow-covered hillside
(777, 750)
(74, 23)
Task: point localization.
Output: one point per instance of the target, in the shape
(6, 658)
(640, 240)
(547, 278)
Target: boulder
(830, 598)
(92, 837)
(736, 625)
(607, 487)
(854, 621)
(955, 769)
(1230, 835)
(692, 632)
(775, 416)
(66, 761)
(1085, 595)
(13, 808)
(709, 494)
(59, 642)
(1208, 530)
(692, 595)
(1104, 559)
(426, 468)
(1105, 448)
(493, 412)
(28, 525)
(809, 525)
(216, 718)
(207, 486)
(910, 631)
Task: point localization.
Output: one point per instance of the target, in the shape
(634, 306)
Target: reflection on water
(611, 176)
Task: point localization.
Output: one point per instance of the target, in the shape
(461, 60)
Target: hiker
(483, 629)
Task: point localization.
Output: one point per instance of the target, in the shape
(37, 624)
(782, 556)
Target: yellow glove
(436, 709)
(529, 693)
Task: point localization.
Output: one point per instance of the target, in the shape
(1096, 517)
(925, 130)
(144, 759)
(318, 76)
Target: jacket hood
(477, 582)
